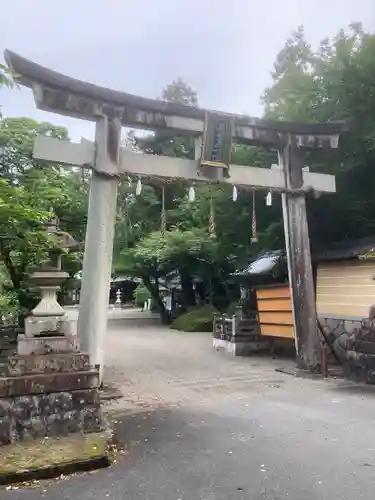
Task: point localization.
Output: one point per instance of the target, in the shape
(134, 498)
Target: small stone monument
(118, 298)
(49, 387)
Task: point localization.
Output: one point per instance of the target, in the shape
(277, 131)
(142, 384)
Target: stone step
(48, 382)
(47, 363)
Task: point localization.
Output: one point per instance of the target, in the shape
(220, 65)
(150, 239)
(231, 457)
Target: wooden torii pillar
(111, 110)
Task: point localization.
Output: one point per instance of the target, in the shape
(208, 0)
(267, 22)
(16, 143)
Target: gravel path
(198, 425)
(159, 367)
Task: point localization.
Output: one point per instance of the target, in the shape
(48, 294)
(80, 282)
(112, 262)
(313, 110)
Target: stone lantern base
(49, 387)
(51, 393)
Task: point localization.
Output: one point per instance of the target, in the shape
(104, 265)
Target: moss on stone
(47, 453)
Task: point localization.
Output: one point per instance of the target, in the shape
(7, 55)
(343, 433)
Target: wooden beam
(59, 93)
(154, 166)
(299, 261)
(251, 131)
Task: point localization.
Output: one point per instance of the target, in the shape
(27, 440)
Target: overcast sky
(224, 49)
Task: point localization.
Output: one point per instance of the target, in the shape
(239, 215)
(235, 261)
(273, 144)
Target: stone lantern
(49, 388)
(48, 318)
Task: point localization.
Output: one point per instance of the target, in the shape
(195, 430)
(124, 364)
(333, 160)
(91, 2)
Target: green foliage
(180, 92)
(9, 308)
(6, 78)
(141, 295)
(335, 82)
(158, 254)
(31, 193)
(196, 320)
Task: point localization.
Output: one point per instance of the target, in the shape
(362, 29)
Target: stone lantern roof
(63, 239)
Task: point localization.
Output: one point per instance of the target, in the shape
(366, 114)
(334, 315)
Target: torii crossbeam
(111, 110)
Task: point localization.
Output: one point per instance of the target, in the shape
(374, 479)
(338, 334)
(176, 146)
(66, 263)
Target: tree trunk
(188, 294)
(154, 291)
(210, 292)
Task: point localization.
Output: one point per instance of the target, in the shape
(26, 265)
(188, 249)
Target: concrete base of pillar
(247, 348)
(219, 344)
(240, 348)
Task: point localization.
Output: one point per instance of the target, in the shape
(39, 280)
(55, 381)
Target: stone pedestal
(238, 336)
(49, 394)
(49, 387)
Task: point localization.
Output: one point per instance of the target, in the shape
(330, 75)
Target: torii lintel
(62, 94)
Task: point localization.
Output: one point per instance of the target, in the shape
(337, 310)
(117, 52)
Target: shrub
(196, 320)
(141, 294)
(8, 308)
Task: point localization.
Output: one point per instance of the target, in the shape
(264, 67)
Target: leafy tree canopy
(31, 193)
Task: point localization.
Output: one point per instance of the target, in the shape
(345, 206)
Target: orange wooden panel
(273, 292)
(282, 331)
(276, 318)
(275, 305)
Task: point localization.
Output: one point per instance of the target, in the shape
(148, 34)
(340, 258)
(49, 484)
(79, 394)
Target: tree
(139, 215)
(7, 79)
(335, 82)
(294, 90)
(31, 193)
(179, 91)
(186, 253)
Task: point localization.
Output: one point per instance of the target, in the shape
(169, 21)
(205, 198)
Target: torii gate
(111, 110)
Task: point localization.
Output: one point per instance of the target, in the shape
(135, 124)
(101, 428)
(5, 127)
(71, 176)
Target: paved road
(199, 425)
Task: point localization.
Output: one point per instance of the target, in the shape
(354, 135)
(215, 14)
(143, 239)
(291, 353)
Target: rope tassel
(163, 219)
(211, 222)
(254, 235)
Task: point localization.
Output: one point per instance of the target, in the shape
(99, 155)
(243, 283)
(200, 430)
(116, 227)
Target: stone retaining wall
(47, 415)
(51, 394)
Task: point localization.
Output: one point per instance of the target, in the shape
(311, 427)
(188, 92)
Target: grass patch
(196, 320)
(23, 458)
